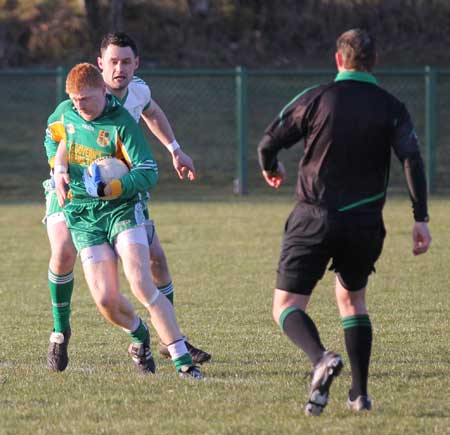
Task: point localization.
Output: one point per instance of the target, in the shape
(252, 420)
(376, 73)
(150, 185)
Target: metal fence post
(430, 126)
(241, 181)
(60, 84)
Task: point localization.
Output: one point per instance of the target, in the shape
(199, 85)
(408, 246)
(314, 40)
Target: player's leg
(162, 279)
(160, 269)
(289, 312)
(132, 247)
(358, 342)
(60, 281)
(100, 270)
(60, 272)
(302, 264)
(354, 262)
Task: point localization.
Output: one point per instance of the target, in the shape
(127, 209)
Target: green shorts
(96, 222)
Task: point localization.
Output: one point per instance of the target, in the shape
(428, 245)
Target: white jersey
(137, 98)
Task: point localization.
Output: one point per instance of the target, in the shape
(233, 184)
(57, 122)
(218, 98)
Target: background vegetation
(220, 33)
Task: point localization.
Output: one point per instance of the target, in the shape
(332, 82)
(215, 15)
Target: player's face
(118, 65)
(89, 102)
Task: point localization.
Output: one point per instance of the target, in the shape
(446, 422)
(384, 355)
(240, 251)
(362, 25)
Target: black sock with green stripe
(61, 289)
(302, 331)
(358, 342)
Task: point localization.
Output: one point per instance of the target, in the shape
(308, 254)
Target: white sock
(177, 349)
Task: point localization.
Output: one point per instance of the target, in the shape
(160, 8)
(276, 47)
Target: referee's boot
(57, 357)
(198, 356)
(361, 403)
(329, 366)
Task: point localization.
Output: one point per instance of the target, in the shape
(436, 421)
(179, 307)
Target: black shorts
(313, 237)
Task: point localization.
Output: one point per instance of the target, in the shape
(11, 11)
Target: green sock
(167, 291)
(141, 334)
(184, 360)
(61, 288)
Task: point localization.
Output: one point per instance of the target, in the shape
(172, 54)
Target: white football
(110, 168)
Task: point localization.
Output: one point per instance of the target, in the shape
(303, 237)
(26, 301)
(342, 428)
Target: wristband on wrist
(60, 169)
(174, 145)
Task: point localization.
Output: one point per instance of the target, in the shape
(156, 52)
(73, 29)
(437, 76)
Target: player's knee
(63, 256)
(107, 303)
(158, 263)
(157, 254)
(276, 312)
(274, 316)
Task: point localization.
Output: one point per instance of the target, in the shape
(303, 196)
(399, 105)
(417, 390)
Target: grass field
(223, 252)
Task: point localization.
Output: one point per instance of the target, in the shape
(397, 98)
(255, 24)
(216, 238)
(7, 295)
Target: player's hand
(183, 165)
(93, 183)
(421, 238)
(275, 178)
(61, 182)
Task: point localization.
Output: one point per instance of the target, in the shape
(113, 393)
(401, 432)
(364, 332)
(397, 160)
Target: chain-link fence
(218, 117)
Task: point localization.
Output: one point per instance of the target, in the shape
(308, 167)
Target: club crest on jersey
(70, 129)
(103, 138)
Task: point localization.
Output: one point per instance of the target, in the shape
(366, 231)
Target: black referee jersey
(349, 127)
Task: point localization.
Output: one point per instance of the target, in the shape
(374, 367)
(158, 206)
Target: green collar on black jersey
(356, 75)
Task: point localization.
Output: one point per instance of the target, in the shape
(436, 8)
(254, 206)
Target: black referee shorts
(313, 237)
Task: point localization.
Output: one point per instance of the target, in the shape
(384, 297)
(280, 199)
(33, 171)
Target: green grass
(223, 252)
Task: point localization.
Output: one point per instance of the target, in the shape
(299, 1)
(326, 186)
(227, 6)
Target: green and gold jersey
(114, 133)
(55, 130)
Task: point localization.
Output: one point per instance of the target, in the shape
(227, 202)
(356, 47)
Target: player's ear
(136, 62)
(339, 60)
(100, 62)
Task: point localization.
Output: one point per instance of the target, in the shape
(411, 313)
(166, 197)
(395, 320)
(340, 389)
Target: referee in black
(349, 127)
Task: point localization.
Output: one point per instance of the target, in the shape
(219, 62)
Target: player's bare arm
(60, 174)
(159, 125)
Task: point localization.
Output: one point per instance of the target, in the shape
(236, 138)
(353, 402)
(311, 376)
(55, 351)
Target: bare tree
(116, 15)
(198, 7)
(92, 9)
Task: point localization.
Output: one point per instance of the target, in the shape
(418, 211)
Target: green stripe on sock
(286, 313)
(184, 360)
(357, 320)
(141, 334)
(167, 291)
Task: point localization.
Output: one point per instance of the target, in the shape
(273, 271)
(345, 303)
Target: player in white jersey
(118, 62)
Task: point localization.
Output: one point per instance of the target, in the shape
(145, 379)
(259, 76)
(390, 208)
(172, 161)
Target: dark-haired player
(349, 128)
